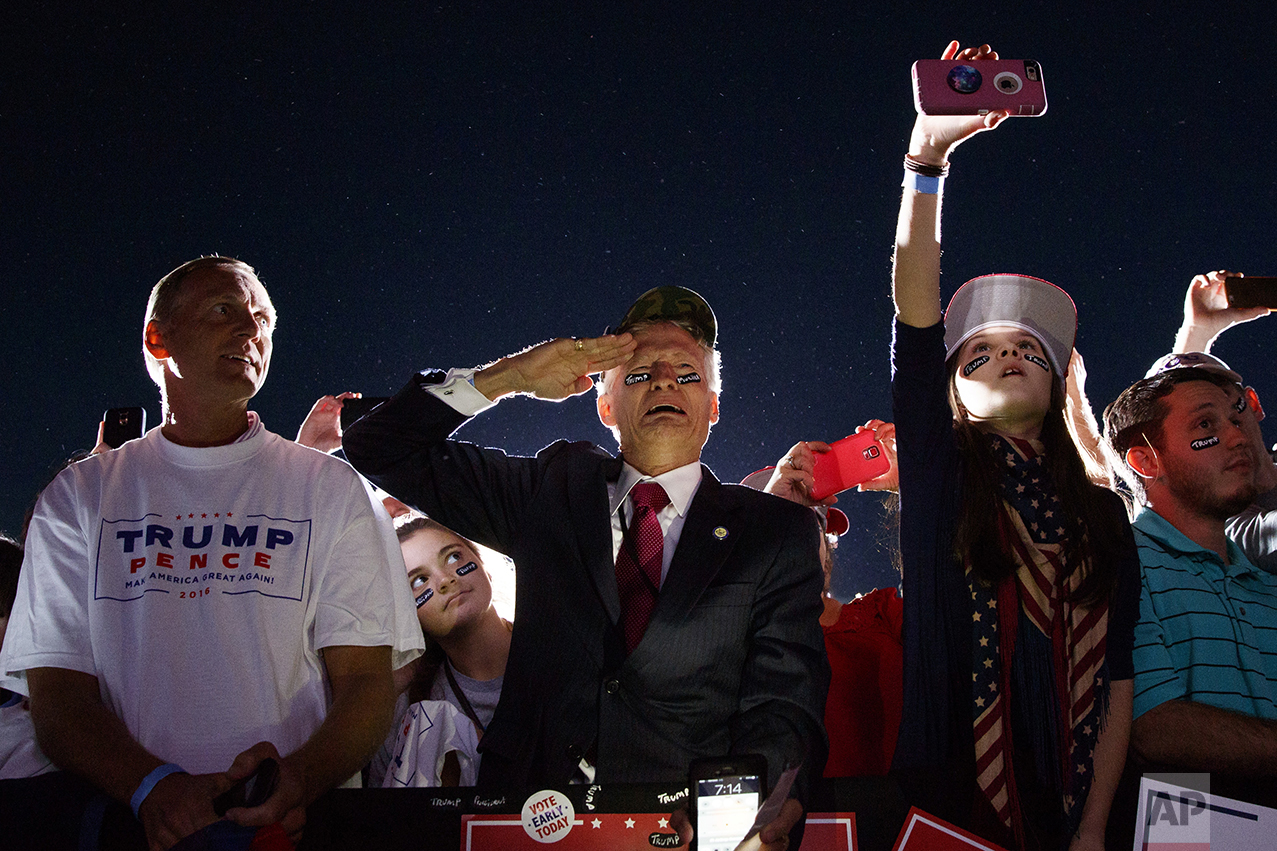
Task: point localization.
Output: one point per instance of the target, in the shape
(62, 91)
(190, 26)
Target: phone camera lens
(964, 79)
(1008, 83)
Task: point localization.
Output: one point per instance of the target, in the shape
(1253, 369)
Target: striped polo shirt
(1207, 631)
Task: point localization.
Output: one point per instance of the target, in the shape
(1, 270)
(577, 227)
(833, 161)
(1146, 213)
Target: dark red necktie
(638, 564)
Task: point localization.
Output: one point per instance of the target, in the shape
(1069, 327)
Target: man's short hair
(166, 296)
(1137, 415)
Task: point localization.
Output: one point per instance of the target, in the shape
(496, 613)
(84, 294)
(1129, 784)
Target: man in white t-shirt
(211, 594)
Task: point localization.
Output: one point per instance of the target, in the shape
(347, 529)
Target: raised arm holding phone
(995, 507)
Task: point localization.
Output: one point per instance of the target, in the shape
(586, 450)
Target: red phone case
(849, 462)
(954, 87)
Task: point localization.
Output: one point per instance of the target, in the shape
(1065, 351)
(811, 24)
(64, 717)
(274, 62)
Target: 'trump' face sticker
(636, 377)
(424, 597)
(974, 365)
(1205, 443)
(469, 567)
(1039, 361)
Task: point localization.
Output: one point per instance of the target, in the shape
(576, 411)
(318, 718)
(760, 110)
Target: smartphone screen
(725, 810)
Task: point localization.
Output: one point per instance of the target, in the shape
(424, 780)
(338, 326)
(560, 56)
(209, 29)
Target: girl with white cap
(1020, 577)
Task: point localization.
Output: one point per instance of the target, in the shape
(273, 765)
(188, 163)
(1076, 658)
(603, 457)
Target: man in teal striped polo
(1206, 641)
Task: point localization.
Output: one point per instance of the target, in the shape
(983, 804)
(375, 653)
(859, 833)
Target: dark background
(437, 185)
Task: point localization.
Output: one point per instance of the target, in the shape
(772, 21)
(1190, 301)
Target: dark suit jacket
(733, 660)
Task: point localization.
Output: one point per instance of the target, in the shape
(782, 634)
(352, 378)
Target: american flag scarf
(1063, 696)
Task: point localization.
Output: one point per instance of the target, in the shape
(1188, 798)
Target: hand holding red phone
(885, 434)
(792, 478)
(849, 462)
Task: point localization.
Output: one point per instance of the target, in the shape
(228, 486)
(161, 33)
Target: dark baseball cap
(671, 304)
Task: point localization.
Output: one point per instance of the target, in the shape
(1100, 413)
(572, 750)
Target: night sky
(438, 185)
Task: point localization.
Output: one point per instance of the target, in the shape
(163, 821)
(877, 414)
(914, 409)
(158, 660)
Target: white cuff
(457, 390)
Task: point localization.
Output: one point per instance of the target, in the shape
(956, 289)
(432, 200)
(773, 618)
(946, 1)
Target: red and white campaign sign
(830, 830)
(587, 832)
(924, 832)
(629, 832)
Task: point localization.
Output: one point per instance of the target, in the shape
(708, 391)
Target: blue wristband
(922, 183)
(148, 783)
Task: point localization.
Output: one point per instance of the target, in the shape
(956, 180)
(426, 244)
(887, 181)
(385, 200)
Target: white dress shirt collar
(680, 485)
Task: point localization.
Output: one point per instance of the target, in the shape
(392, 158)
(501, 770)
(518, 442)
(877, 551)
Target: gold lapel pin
(720, 532)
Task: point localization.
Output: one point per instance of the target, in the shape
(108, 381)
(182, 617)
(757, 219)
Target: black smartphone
(1251, 291)
(354, 409)
(252, 791)
(123, 425)
(726, 795)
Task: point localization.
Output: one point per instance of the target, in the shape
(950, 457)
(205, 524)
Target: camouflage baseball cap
(671, 303)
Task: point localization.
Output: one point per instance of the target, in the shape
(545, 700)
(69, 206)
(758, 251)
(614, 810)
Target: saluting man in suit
(662, 616)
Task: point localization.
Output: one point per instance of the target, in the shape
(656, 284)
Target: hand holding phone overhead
(1251, 292)
(935, 136)
(966, 87)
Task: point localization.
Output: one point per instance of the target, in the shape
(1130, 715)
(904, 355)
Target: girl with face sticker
(449, 696)
(1020, 576)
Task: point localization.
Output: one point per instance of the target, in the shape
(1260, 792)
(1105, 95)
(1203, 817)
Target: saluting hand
(555, 369)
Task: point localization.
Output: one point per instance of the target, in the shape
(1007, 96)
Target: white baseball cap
(1021, 301)
(1192, 360)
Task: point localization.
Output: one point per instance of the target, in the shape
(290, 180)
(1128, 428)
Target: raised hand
(1207, 314)
(555, 369)
(884, 433)
(934, 136)
(322, 427)
(794, 475)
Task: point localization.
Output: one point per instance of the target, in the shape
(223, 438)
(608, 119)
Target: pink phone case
(953, 87)
(849, 462)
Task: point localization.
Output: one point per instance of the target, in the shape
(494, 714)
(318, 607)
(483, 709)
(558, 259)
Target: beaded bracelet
(926, 169)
